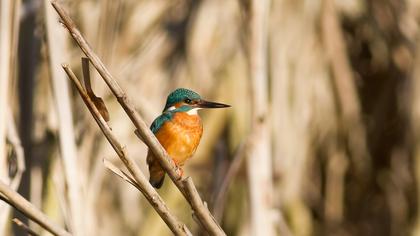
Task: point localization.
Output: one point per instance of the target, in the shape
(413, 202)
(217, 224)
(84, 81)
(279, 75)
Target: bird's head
(188, 100)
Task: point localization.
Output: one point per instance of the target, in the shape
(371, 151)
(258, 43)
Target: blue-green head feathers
(181, 95)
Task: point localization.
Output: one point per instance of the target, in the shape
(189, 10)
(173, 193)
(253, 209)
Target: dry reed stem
(189, 191)
(17, 201)
(5, 43)
(349, 103)
(334, 190)
(16, 14)
(415, 123)
(13, 138)
(259, 156)
(220, 199)
(56, 54)
(24, 227)
(148, 191)
(5, 57)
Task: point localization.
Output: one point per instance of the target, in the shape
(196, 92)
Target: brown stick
(202, 212)
(20, 203)
(148, 191)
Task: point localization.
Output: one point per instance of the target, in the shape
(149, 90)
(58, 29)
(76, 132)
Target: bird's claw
(178, 170)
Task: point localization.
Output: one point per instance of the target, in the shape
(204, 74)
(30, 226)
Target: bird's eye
(187, 100)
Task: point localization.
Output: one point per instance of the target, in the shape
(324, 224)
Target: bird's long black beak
(207, 104)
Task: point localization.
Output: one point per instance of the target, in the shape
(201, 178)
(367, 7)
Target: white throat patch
(193, 111)
(171, 108)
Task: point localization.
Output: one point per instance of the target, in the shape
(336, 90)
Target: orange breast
(181, 136)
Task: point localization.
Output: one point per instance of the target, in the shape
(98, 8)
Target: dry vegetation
(322, 137)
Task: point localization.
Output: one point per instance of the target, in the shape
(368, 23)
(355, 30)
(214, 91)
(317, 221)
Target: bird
(178, 129)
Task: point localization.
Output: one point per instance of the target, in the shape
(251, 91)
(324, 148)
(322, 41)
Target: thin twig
(24, 226)
(17, 201)
(202, 212)
(120, 173)
(148, 191)
(220, 199)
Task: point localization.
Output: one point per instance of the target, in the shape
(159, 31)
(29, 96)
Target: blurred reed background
(338, 83)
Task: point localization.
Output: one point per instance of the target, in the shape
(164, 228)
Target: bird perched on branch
(178, 129)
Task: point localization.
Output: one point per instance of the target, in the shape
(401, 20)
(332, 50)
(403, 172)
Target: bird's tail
(157, 175)
(157, 180)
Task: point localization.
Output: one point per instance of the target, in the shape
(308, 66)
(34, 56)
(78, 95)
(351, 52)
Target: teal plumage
(159, 121)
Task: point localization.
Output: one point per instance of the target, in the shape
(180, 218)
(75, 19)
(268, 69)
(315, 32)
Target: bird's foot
(178, 170)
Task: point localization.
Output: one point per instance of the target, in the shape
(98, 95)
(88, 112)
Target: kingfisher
(179, 130)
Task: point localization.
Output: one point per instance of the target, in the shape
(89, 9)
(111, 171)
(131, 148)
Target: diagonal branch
(188, 190)
(148, 191)
(17, 201)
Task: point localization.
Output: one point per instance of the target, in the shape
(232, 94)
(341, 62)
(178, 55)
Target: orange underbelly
(180, 136)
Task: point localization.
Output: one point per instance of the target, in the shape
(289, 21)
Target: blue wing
(159, 121)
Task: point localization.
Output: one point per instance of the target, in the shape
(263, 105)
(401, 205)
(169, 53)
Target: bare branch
(148, 191)
(203, 214)
(29, 210)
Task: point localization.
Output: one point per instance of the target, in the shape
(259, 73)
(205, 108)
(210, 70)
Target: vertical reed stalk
(259, 154)
(57, 54)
